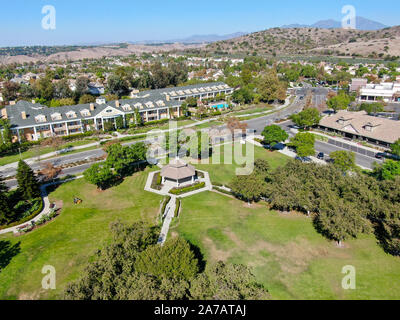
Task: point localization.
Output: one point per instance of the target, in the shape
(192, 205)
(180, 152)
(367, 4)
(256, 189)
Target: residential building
(357, 84)
(361, 126)
(32, 121)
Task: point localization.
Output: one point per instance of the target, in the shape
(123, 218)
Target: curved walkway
(46, 206)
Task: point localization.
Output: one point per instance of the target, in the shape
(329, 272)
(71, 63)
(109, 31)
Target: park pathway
(168, 215)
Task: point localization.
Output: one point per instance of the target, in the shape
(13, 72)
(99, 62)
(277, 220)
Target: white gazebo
(178, 171)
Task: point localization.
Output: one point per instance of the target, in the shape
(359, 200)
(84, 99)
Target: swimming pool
(221, 106)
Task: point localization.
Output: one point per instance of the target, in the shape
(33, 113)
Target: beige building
(359, 125)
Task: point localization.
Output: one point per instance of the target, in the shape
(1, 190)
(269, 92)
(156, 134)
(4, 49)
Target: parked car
(303, 159)
(386, 155)
(321, 156)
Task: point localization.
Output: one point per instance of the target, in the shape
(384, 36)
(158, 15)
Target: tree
(396, 148)
(307, 118)
(27, 181)
(227, 282)
(339, 102)
(62, 90)
(117, 85)
(388, 170)
(50, 172)
(87, 98)
(248, 188)
(274, 134)
(100, 175)
(10, 90)
(344, 160)
(173, 260)
(372, 107)
(270, 87)
(340, 220)
(81, 86)
(234, 124)
(304, 144)
(6, 212)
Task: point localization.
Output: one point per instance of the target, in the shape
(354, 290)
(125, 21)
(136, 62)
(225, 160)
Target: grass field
(224, 173)
(68, 242)
(285, 253)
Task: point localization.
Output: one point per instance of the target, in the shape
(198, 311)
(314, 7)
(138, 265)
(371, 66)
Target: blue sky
(91, 21)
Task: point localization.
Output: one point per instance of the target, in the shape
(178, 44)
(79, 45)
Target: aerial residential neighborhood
(251, 159)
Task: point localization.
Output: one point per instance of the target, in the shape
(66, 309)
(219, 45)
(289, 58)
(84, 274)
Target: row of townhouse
(32, 121)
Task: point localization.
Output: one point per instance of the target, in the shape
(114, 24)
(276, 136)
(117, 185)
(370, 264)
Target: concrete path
(46, 206)
(168, 215)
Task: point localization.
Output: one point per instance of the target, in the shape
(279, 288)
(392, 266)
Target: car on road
(321, 156)
(304, 159)
(386, 155)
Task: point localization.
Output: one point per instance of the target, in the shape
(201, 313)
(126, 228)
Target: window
(56, 116)
(71, 115)
(40, 118)
(85, 113)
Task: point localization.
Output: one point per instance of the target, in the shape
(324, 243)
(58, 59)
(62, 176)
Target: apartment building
(32, 121)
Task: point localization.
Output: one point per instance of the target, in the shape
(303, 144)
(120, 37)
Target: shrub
(30, 217)
(182, 190)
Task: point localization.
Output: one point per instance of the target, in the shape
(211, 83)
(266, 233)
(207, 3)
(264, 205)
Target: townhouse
(32, 121)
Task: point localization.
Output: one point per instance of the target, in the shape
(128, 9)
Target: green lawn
(68, 242)
(224, 173)
(285, 253)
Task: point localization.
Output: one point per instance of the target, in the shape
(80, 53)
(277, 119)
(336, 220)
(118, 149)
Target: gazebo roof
(178, 170)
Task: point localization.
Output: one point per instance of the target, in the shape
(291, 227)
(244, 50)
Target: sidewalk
(168, 214)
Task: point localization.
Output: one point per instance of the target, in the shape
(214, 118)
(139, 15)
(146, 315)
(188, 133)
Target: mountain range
(206, 38)
(361, 24)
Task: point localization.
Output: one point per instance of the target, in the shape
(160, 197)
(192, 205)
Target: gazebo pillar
(192, 179)
(163, 180)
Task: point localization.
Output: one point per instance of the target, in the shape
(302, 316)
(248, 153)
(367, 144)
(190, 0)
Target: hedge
(167, 199)
(178, 191)
(178, 206)
(26, 219)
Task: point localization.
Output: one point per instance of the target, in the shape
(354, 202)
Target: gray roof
(144, 101)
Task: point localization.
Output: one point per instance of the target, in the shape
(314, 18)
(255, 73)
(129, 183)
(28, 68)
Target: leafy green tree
(100, 175)
(339, 102)
(6, 212)
(87, 98)
(372, 107)
(227, 282)
(117, 85)
(340, 220)
(304, 143)
(173, 260)
(388, 170)
(81, 87)
(248, 188)
(270, 87)
(396, 148)
(274, 134)
(307, 118)
(27, 181)
(344, 160)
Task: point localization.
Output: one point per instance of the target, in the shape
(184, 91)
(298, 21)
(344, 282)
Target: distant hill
(374, 44)
(361, 24)
(207, 38)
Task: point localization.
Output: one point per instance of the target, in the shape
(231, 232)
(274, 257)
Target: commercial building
(386, 92)
(32, 121)
(361, 126)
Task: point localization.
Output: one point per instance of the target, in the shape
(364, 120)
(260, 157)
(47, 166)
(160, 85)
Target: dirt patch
(29, 296)
(216, 254)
